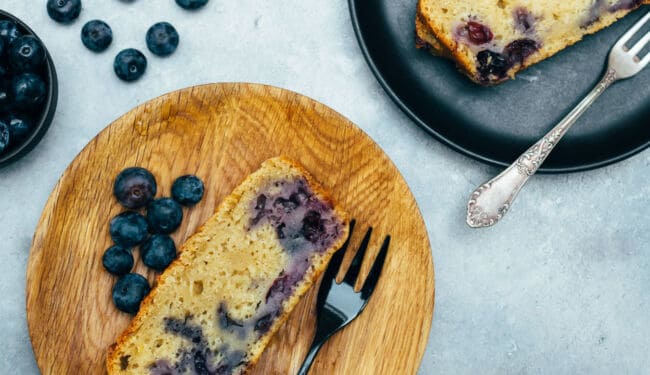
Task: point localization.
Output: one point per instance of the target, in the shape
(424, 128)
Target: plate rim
(352, 6)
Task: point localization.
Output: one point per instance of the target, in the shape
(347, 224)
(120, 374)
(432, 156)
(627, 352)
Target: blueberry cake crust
(214, 310)
(492, 40)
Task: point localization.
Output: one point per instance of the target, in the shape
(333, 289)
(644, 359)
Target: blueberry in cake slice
(491, 40)
(216, 307)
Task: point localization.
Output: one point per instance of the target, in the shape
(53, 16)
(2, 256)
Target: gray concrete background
(561, 286)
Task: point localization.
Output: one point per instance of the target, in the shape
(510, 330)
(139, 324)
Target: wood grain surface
(222, 132)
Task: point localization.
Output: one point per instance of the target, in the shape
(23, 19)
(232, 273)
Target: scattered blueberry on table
(129, 291)
(162, 39)
(191, 4)
(164, 215)
(128, 229)
(187, 190)
(130, 64)
(158, 252)
(96, 35)
(63, 11)
(117, 260)
(134, 187)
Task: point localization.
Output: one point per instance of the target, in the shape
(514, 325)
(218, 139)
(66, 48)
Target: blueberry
(5, 137)
(96, 35)
(19, 127)
(518, 50)
(130, 64)
(162, 39)
(191, 4)
(187, 190)
(264, 323)
(128, 229)
(117, 260)
(129, 291)
(64, 11)
(8, 31)
(5, 99)
(524, 20)
(312, 226)
(158, 252)
(478, 33)
(26, 54)
(27, 91)
(164, 215)
(492, 64)
(134, 187)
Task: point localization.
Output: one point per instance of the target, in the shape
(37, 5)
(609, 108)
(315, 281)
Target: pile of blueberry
(135, 189)
(130, 64)
(22, 84)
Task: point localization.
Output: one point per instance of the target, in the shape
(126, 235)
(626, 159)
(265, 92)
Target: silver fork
(339, 304)
(491, 201)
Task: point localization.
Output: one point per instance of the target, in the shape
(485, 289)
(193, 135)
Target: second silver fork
(491, 201)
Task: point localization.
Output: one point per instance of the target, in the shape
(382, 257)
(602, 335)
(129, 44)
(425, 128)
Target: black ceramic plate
(496, 124)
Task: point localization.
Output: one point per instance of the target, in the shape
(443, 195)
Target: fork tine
(373, 277)
(630, 33)
(640, 44)
(645, 60)
(333, 268)
(337, 259)
(355, 266)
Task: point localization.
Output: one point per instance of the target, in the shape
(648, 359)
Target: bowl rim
(49, 106)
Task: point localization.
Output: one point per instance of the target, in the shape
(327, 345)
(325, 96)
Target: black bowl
(43, 120)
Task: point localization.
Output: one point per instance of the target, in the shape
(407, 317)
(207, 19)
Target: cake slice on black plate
(491, 40)
(216, 307)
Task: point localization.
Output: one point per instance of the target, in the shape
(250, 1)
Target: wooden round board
(223, 132)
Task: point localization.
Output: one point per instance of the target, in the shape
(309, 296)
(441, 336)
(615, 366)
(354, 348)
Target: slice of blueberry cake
(216, 307)
(491, 40)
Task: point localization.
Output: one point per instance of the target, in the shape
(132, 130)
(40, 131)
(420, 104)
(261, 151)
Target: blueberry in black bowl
(27, 91)
(26, 54)
(187, 190)
(158, 252)
(164, 215)
(117, 260)
(9, 31)
(19, 126)
(63, 11)
(4, 136)
(134, 187)
(191, 4)
(128, 229)
(28, 87)
(130, 64)
(5, 100)
(162, 39)
(96, 35)
(129, 291)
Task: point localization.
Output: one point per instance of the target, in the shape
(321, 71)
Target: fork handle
(316, 344)
(491, 201)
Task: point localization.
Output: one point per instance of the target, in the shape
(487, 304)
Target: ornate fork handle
(490, 201)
